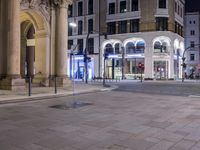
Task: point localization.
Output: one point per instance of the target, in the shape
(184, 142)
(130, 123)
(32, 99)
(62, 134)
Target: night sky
(192, 5)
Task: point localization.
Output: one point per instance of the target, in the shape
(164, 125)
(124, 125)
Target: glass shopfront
(76, 67)
(161, 69)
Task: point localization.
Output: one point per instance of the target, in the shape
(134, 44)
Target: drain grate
(71, 106)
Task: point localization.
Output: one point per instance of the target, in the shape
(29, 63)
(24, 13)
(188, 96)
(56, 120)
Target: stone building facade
(33, 35)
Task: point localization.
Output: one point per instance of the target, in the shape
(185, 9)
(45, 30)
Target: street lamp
(104, 68)
(86, 58)
(122, 48)
(73, 24)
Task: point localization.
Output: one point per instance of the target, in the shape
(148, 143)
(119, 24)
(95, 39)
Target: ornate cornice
(62, 3)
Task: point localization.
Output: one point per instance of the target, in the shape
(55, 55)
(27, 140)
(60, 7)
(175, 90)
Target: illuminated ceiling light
(72, 24)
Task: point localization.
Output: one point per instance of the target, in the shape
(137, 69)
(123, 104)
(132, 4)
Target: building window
(192, 32)
(70, 43)
(192, 57)
(80, 8)
(123, 6)
(181, 12)
(176, 7)
(111, 8)
(194, 22)
(190, 22)
(90, 25)
(162, 4)
(80, 27)
(178, 29)
(134, 25)
(117, 48)
(91, 46)
(109, 49)
(80, 46)
(162, 24)
(160, 47)
(90, 7)
(111, 28)
(192, 44)
(134, 5)
(70, 30)
(122, 27)
(70, 11)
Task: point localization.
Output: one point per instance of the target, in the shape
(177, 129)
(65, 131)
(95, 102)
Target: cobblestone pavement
(162, 87)
(117, 120)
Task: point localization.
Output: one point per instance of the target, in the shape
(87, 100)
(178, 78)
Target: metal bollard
(55, 85)
(29, 86)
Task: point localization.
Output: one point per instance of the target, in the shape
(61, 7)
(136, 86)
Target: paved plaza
(116, 120)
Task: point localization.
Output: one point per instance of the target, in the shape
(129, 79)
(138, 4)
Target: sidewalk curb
(194, 96)
(51, 96)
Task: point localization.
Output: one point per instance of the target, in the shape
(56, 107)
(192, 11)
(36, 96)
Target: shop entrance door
(161, 70)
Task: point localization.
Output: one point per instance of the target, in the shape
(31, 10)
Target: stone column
(171, 68)
(148, 61)
(13, 55)
(61, 39)
(13, 51)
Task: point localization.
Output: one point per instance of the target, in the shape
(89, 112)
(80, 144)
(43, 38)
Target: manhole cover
(71, 106)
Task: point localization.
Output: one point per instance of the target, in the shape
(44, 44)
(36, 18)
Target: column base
(61, 82)
(13, 84)
(41, 81)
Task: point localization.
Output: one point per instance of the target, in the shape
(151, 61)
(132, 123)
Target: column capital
(62, 3)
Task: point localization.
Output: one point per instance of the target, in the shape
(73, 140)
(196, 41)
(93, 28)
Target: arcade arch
(35, 50)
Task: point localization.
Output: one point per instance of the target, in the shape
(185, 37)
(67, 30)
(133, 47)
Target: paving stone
(168, 136)
(162, 145)
(136, 144)
(183, 145)
(117, 120)
(161, 125)
(32, 147)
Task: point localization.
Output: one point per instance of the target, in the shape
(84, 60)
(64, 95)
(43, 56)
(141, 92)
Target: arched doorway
(134, 55)
(162, 62)
(35, 48)
(27, 68)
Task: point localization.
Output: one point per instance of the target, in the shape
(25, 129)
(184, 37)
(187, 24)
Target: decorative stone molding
(42, 6)
(41, 34)
(62, 3)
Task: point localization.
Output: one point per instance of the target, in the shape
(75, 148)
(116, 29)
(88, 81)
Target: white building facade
(138, 32)
(144, 32)
(192, 39)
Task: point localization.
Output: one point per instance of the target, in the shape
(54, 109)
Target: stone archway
(40, 41)
(49, 20)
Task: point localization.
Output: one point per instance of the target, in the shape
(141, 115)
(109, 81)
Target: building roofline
(192, 13)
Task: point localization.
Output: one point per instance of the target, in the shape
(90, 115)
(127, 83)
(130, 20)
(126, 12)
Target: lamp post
(122, 62)
(73, 25)
(104, 68)
(177, 65)
(86, 58)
